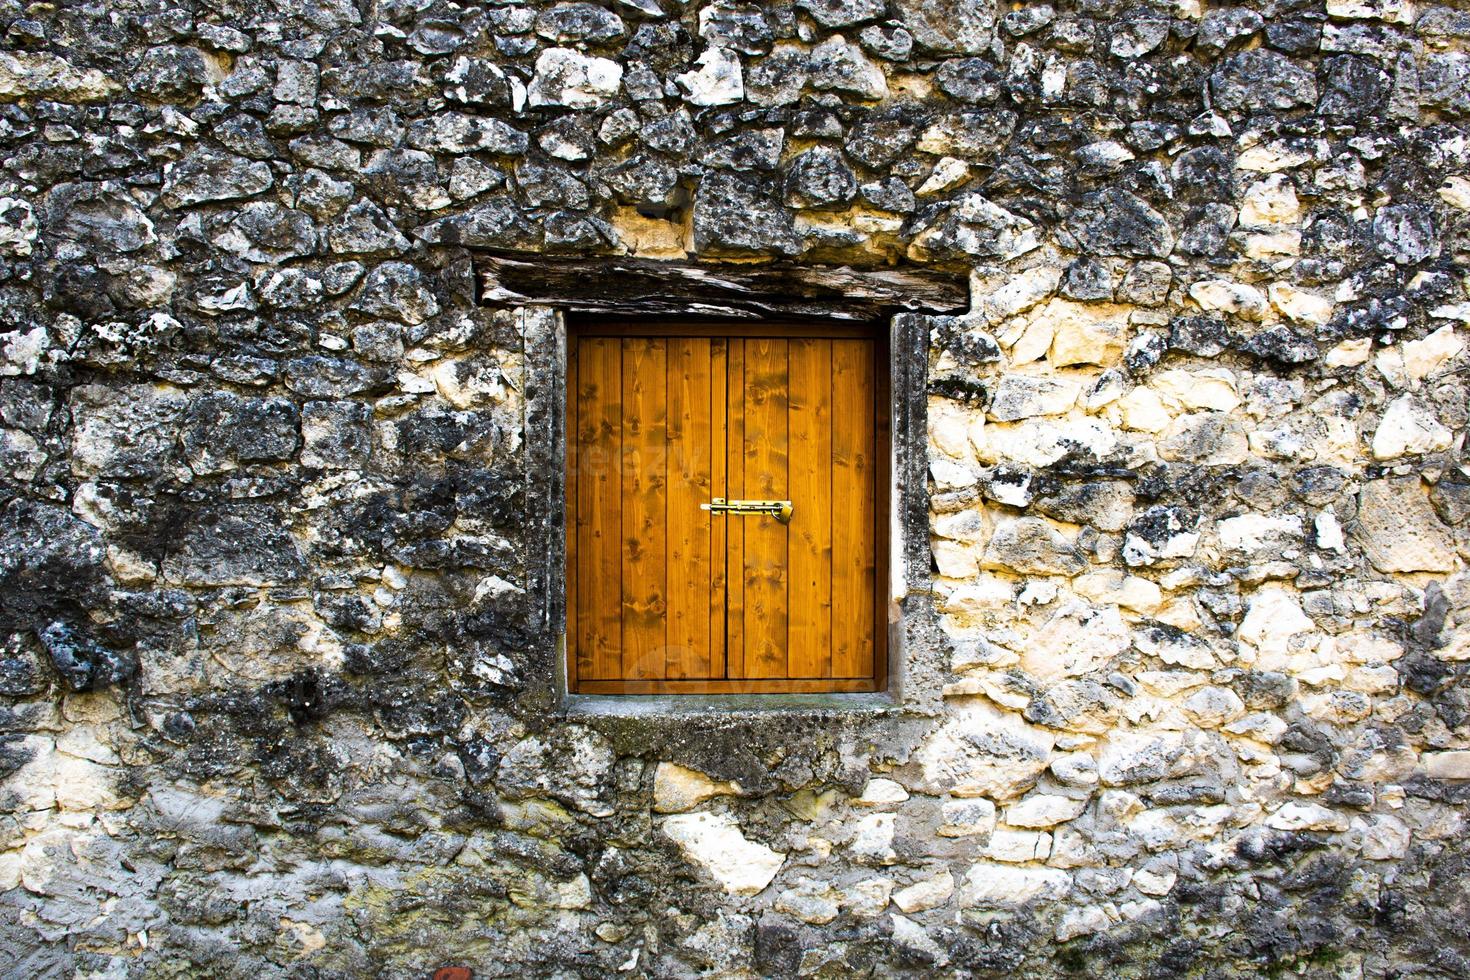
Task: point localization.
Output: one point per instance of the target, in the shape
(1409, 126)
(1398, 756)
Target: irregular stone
(222, 430)
(1031, 546)
(929, 893)
(1405, 233)
(718, 80)
(83, 663)
(575, 81)
(1083, 333)
(335, 435)
(820, 178)
(242, 544)
(1137, 36)
(1299, 305)
(1159, 534)
(677, 789)
(124, 431)
(266, 232)
(1398, 529)
(882, 792)
(976, 227)
(837, 65)
(1020, 396)
(458, 132)
(28, 75)
(1446, 765)
(1077, 639)
(1261, 79)
(715, 843)
(1205, 439)
(989, 885)
(1408, 427)
(738, 27)
(365, 229)
(590, 22)
(842, 13)
(967, 818)
(208, 175)
(1131, 757)
(398, 291)
(813, 902)
(1043, 810)
(872, 839)
(1222, 295)
(945, 26)
(734, 215)
(1115, 222)
(982, 751)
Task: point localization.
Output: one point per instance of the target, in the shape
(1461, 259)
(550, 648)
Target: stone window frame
(914, 639)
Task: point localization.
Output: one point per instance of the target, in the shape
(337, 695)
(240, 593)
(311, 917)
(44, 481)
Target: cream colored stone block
(1019, 294)
(715, 843)
(677, 789)
(1086, 333)
(1208, 389)
(1042, 810)
(1266, 246)
(1227, 296)
(882, 792)
(1349, 353)
(1399, 530)
(1273, 623)
(872, 839)
(983, 751)
(1409, 428)
(1446, 765)
(987, 593)
(1041, 442)
(1143, 410)
(1300, 305)
(1384, 836)
(1455, 192)
(991, 885)
(1113, 586)
(1273, 156)
(1017, 846)
(1392, 11)
(1270, 201)
(1077, 639)
(930, 893)
(1306, 816)
(1425, 357)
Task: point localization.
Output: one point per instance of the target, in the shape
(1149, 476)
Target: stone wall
(1185, 687)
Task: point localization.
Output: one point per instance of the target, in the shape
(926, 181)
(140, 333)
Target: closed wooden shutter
(667, 596)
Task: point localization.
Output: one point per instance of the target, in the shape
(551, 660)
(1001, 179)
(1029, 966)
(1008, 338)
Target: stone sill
(662, 706)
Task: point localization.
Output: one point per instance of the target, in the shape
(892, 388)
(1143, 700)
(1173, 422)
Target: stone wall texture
(277, 616)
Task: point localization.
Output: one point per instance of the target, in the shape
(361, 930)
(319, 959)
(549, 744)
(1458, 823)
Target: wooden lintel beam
(647, 287)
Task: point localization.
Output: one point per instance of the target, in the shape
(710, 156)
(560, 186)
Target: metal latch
(779, 509)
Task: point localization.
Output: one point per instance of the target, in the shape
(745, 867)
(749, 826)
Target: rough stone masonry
(276, 683)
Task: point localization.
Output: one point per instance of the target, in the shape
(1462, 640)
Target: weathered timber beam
(646, 287)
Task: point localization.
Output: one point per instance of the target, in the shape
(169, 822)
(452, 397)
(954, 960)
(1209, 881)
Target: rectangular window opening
(685, 443)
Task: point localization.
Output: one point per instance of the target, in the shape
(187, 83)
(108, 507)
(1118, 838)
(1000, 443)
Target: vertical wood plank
(809, 653)
(735, 528)
(644, 470)
(599, 509)
(767, 383)
(719, 447)
(688, 564)
(853, 508)
(571, 436)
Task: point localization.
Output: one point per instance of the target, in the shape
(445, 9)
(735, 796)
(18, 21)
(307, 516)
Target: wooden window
(667, 596)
